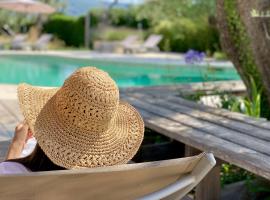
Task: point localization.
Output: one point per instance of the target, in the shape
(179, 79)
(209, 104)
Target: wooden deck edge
(189, 88)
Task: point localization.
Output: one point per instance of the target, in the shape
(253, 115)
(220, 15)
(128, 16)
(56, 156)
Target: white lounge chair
(113, 46)
(5, 29)
(150, 44)
(170, 179)
(42, 42)
(19, 42)
(129, 40)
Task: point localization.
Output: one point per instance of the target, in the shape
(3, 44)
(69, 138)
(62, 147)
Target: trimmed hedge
(68, 28)
(127, 17)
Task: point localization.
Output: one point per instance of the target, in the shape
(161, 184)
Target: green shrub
(231, 174)
(119, 17)
(184, 34)
(259, 188)
(253, 104)
(67, 28)
(220, 55)
(113, 34)
(250, 106)
(127, 17)
(96, 16)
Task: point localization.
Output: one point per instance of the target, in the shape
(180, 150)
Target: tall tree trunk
(245, 40)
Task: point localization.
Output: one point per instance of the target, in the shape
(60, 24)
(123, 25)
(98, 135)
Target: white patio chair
(150, 44)
(19, 42)
(129, 40)
(42, 42)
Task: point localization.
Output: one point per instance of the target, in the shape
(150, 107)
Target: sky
(80, 7)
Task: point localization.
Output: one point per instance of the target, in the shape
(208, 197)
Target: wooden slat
(239, 126)
(191, 88)
(261, 123)
(241, 156)
(213, 129)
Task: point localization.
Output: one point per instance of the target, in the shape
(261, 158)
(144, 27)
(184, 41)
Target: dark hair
(37, 161)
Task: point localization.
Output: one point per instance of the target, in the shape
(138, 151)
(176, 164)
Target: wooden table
(232, 137)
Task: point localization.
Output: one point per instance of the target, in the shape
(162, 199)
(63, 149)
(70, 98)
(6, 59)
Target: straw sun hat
(82, 123)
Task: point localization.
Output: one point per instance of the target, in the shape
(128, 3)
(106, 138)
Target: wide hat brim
(71, 147)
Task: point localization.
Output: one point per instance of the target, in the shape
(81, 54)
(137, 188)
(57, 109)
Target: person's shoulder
(8, 167)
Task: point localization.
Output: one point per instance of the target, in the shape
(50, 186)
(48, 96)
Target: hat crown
(88, 100)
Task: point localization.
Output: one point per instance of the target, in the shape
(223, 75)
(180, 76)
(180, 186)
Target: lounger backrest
(150, 180)
(152, 41)
(44, 39)
(7, 30)
(19, 39)
(131, 39)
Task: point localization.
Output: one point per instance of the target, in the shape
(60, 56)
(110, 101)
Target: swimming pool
(52, 70)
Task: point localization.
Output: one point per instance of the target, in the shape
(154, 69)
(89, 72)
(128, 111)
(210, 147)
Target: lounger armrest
(172, 188)
(185, 184)
(199, 172)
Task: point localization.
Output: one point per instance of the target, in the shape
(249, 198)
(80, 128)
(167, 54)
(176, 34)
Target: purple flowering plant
(192, 56)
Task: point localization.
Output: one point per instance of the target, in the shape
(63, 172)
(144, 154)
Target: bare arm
(21, 135)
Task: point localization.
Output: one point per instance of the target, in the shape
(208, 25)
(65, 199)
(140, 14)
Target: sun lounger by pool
(130, 40)
(7, 30)
(114, 46)
(42, 42)
(149, 45)
(170, 179)
(19, 42)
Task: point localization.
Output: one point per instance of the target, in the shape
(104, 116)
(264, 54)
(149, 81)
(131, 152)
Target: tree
(173, 10)
(17, 20)
(246, 42)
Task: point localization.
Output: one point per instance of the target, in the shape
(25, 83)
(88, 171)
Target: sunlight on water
(52, 71)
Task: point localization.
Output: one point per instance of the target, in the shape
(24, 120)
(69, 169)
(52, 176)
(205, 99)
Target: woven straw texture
(83, 124)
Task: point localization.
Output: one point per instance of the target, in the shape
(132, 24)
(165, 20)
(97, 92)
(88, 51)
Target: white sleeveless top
(8, 167)
(12, 168)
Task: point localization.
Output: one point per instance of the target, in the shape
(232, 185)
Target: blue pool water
(52, 70)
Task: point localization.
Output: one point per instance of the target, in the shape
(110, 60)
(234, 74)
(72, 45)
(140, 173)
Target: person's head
(83, 123)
